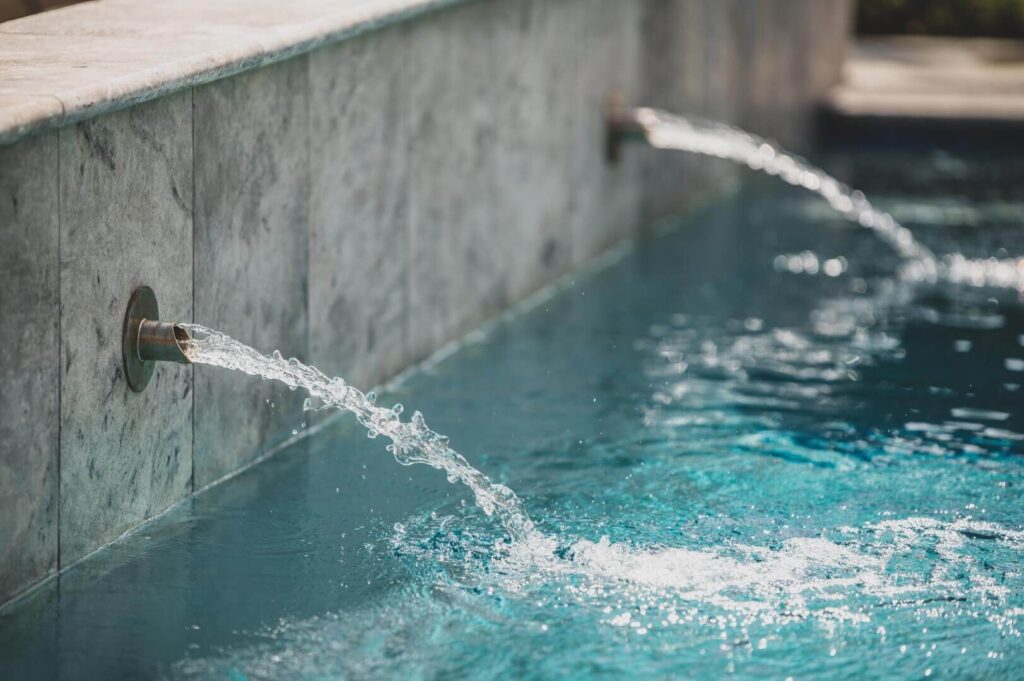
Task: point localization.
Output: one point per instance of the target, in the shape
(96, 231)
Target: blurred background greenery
(995, 18)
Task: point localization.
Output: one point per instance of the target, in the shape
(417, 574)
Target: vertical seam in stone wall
(405, 137)
(308, 94)
(577, 126)
(706, 98)
(192, 480)
(309, 221)
(60, 360)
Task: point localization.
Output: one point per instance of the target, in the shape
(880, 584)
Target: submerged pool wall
(355, 186)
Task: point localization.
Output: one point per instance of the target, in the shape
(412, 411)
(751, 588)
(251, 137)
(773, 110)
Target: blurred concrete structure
(907, 84)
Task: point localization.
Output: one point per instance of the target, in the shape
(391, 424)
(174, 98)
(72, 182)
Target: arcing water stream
(664, 130)
(411, 441)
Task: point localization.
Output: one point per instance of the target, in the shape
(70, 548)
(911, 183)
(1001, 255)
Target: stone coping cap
(77, 62)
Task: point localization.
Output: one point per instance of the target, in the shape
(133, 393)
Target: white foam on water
(911, 563)
(736, 597)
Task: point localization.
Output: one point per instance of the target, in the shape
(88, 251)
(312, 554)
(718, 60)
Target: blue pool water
(745, 471)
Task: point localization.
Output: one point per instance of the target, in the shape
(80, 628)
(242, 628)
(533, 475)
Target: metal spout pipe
(161, 342)
(147, 340)
(621, 125)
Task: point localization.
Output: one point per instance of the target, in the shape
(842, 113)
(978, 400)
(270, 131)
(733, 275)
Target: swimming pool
(751, 463)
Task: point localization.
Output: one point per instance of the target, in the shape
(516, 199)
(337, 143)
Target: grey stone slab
(660, 63)
(756, 69)
(726, 57)
(704, 92)
(790, 44)
(606, 205)
(676, 73)
(453, 274)
(29, 374)
(126, 221)
(776, 106)
(537, 107)
(358, 249)
(252, 180)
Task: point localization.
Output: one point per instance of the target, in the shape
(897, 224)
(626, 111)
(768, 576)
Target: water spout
(622, 124)
(663, 130)
(147, 340)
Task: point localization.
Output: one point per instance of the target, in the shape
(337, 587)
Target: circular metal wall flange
(142, 306)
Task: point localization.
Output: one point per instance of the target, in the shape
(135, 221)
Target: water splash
(664, 130)
(846, 576)
(878, 584)
(411, 441)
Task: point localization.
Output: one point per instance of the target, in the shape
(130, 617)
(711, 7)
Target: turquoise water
(746, 472)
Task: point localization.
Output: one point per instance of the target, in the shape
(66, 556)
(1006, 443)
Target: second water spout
(664, 130)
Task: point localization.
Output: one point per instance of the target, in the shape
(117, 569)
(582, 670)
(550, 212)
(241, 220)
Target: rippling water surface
(748, 449)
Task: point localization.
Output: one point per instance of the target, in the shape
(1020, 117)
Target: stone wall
(357, 206)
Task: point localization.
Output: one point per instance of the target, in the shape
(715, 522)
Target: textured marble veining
(126, 220)
(29, 377)
(606, 197)
(359, 207)
(452, 181)
(538, 103)
(252, 183)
